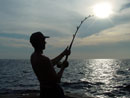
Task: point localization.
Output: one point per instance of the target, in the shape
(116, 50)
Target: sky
(98, 38)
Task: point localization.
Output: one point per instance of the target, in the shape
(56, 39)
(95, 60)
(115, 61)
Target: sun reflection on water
(101, 73)
(102, 70)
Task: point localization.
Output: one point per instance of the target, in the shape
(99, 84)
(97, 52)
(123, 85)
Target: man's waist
(48, 84)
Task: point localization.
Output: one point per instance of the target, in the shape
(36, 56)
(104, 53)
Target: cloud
(14, 35)
(119, 33)
(30, 16)
(24, 17)
(113, 35)
(13, 42)
(59, 41)
(125, 6)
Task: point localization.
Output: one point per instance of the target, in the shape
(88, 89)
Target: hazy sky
(97, 38)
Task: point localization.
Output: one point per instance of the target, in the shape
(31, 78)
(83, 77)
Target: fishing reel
(60, 64)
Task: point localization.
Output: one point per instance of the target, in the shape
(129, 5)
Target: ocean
(103, 78)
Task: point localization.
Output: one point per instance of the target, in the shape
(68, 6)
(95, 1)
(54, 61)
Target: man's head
(37, 40)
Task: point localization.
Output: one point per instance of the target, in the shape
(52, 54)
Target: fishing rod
(74, 35)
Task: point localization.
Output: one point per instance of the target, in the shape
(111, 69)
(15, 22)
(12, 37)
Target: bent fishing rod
(74, 35)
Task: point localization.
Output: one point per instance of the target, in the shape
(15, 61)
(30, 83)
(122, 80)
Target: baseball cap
(36, 36)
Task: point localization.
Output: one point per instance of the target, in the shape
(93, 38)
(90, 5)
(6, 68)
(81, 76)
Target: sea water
(103, 78)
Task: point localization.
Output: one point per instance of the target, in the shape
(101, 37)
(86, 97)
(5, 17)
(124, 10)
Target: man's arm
(53, 75)
(60, 73)
(59, 57)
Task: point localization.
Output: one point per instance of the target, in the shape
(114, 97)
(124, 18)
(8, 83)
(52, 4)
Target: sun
(102, 10)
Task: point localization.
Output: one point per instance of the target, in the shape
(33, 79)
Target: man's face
(42, 43)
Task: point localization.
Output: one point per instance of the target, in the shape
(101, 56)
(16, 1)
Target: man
(44, 68)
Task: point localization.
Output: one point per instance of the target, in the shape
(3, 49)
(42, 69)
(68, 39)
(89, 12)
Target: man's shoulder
(44, 60)
(43, 57)
(38, 57)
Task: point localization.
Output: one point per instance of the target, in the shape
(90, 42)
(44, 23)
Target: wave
(10, 91)
(81, 84)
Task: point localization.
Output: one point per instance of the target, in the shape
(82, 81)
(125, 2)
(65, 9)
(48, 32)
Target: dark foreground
(36, 95)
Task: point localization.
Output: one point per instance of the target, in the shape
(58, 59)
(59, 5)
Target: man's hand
(67, 51)
(65, 64)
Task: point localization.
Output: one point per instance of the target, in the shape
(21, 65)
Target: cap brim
(47, 36)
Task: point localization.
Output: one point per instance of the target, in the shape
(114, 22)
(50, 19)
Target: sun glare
(102, 10)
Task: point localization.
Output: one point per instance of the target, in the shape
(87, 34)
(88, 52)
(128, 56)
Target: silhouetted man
(44, 68)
